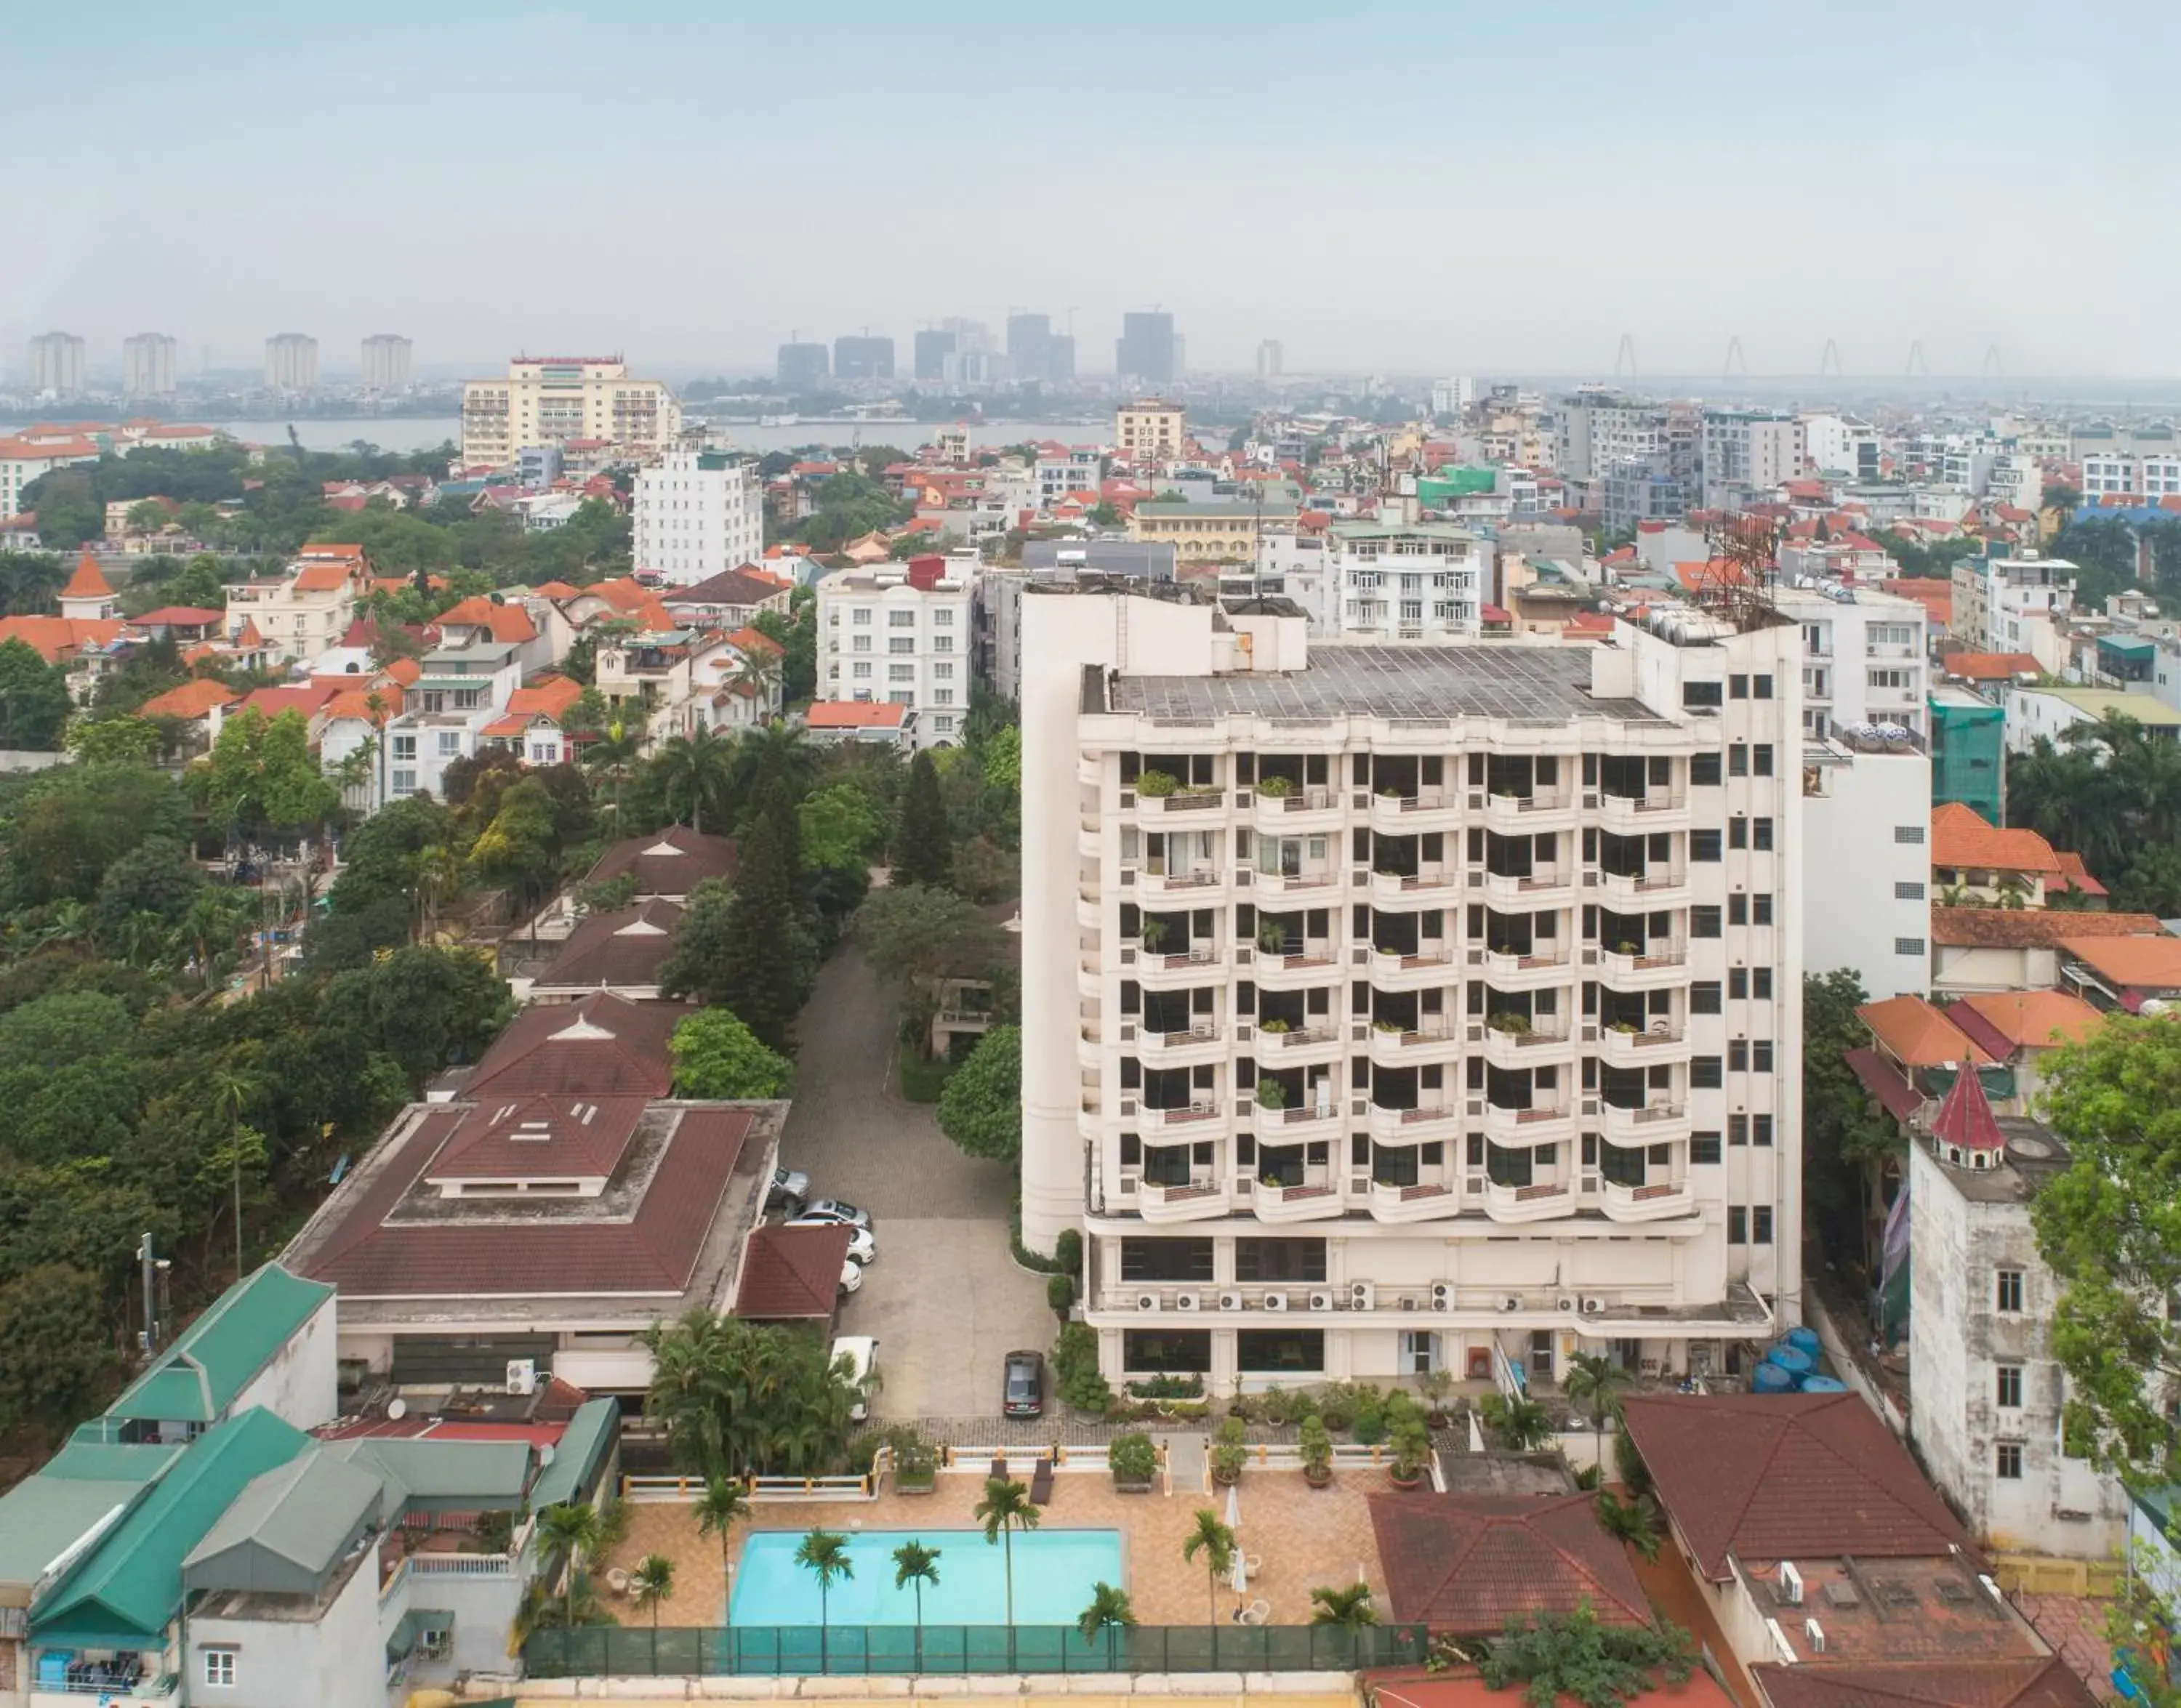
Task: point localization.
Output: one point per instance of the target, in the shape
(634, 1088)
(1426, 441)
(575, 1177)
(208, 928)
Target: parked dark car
(1023, 1392)
(789, 1191)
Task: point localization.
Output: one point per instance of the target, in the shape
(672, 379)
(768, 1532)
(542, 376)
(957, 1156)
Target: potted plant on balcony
(1157, 784)
(1410, 1441)
(1275, 788)
(1316, 1453)
(1624, 1028)
(1624, 947)
(1391, 1027)
(1272, 939)
(1229, 1451)
(1270, 1095)
(1274, 1026)
(1514, 1025)
(1134, 1462)
(1154, 932)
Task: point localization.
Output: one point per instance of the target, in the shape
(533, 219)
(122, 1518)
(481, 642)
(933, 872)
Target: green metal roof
(88, 1457)
(197, 1378)
(423, 1475)
(84, 1485)
(129, 1584)
(287, 1528)
(590, 1433)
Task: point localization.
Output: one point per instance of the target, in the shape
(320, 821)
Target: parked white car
(863, 1247)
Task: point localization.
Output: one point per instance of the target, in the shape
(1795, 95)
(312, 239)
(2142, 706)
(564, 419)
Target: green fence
(688, 1651)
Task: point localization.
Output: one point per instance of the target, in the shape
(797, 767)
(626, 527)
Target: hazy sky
(1453, 187)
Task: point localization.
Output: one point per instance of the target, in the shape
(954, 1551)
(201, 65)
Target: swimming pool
(1054, 1572)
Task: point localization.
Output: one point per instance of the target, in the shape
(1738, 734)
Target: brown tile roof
(541, 1137)
(1467, 1564)
(605, 1046)
(2150, 963)
(2033, 1682)
(1915, 1034)
(852, 715)
(791, 1273)
(1960, 837)
(615, 950)
(670, 863)
(2031, 927)
(1781, 1476)
(739, 586)
(1886, 1083)
(1990, 667)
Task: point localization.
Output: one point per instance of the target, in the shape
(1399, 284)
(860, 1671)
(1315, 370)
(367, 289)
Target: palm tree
(612, 751)
(438, 880)
(651, 1582)
(719, 1508)
(1006, 1509)
(1520, 1423)
(1350, 1608)
(699, 765)
(757, 671)
(915, 1564)
(572, 1530)
(233, 1091)
(1110, 1610)
(1216, 1542)
(824, 1555)
(1594, 1382)
(1634, 1521)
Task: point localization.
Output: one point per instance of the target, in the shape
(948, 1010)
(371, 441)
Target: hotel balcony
(1434, 887)
(1199, 886)
(1202, 1042)
(1659, 1045)
(1308, 889)
(1202, 1200)
(1661, 887)
(1543, 1043)
(1295, 1126)
(1192, 806)
(1300, 813)
(1630, 1128)
(1314, 1198)
(1297, 1046)
(1549, 1124)
(1394, 970)
(1541, 1202)
(1530, 815)
(1434, 1039)
(1421, 1125)
(1090, 837)
(1410, 815)
(1311, 964)
(1509, 971)
(1659, 967)
(1545, 887)
(1089, 908)
(1161, 969)
(1660, 1201)
(1425, 1201)
(1625, 816)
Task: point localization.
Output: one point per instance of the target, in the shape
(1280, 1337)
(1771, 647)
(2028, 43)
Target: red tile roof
(2027, 1019)
(322, 578)
(853, 715)
(271, 703)
(550, 697)
(604, 1045)
(87, 583)
(1990, 667)
(1886, 1083)
(178, 617)
(2031, 927)
(541, 1137)
(2149, 963)
(1465, 1565)
(622, 949)
(1965, 1117)
(792, 1274)
(669, 862)
(193, 699)
(1915, 1034)
(1961, 838)
(1782, 1476)
(1405, 1688)
(2031, 1682)
(501, 622)
(745, 586)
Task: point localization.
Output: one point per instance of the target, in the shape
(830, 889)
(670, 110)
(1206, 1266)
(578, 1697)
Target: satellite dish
(2154, 1005)
(2036, 1149)
(397, 1408)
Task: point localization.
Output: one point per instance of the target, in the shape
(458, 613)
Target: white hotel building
(1446, 1008)
(903, 634)
(697, 514)
(1406, 581)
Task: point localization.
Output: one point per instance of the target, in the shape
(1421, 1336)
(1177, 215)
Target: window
(901, 619)
(1908, 833)
(1274, 1352)
(1704, 997)
(1704, 1147)
(1760, 983)
(1705, 1073)
(1760, 909)
(2007, 1293)
(2007, 1385)
(1737, 687)
(2006, 1462)
(1704, 770)
(1738, 1055)
(1737, 832)
(1763, 686)
(1700, 695)
(1760, 1056)
(1166, 1352)
(943, 618)
(1703, 921)
(1908, 945)
(1905, 892)
(943, 673)
(1761, 1128)
(942, 697)
(1760, 1225)
(1703, 845)
(405, 782)
(1760, 835)
(1738, 759)
(900, 673)
(220, 1668)
(405, 746)
(1737, 1225)
(861, 670)
(1737, 1130)
(942, 643)
(1279, 1260)
(1737, 983)
(451, 743)
(1762, 758)
(901, 643)
(860, 616)
(863, 643)
(1737, 909)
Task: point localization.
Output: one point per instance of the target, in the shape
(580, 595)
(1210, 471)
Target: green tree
(1109, 1609)
(199, 586)
(1006, 1508)
(1848, 1151)
(157, 877)
(1348, 1607)
(734, 1396)
(842, 826)
(1554, 1655)
(917, 937)
(1520, 1425)
(34, 699)
(695, 771)
(1216, 1542)
(716, 1056)
(54, 1362)
(650, 1584)
(770, 959)
(915, 1564)
(824, 1555)
(520, 848)
(382, 856)
(261, 774)
(1635, 1521)
(1594, 1382)
(572, 1531)
(980, 1109)
(105, 740)
(922, 850)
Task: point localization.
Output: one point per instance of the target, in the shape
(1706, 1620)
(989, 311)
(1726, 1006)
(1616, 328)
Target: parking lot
(945, 1300)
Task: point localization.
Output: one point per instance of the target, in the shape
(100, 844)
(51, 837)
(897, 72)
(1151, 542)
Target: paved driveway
(944, 1298)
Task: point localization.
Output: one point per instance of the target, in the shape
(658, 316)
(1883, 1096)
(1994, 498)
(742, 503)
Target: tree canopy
(737, 1396)
(716, 1056)
(980, 1109)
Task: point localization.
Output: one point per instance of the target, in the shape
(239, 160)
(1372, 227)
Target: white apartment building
(1746, 453)
(1056, 476)
(1454, 394)
(1301, 567)
(551, 399)
(1989, 1392)
(1840, 444)
(148, 364)
(302, 613)
(292, 362)
(24, 460)
(1406, 581)
(1148, 430)
(386, 361)
(1398, 1009)
(461, 688)
(1593, 431)
(2146, 477)
(904, 634)
(1867, 861)
(56, 365)
(1865, 657)
(1995, 598)
(697, 514)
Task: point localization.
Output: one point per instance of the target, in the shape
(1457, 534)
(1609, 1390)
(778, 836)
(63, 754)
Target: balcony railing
(1649, 1202)
(1183, 1114)
(1538, 1202)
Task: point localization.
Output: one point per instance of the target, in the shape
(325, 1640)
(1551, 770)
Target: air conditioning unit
(1790, 1584)
(1593, 1307)
(1361, 1296)
(1147, 1301)
(1442, 1296)
(1276, 1302)
(1816, 1634)
(1511, 1301)
(1566, 1301)
(1320, 1299)
(1230, 1302)
(1186, 1302)
(522, 1375)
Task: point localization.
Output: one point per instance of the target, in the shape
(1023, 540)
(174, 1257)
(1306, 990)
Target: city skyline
(1911, 180)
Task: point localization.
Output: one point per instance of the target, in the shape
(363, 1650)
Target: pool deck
(1306, 1538)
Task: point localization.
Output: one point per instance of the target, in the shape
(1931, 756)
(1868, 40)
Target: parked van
(862, 1353)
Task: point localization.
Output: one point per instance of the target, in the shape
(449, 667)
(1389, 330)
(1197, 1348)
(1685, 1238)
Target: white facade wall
(1964, 1230)
(1867, 865)
(881, 639)
(2125, 475)
(551, 402)
(697, 514)
(1408, 582)
(336, 1661)
(301, 1382)
(1865, 660)
(1746, 455)
(1300, 567)
(1409, 1283)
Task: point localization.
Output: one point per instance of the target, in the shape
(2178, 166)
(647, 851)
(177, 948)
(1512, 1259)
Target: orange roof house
(2028, 1019)
(1915, 1035)
(853, 715)
(548, 696)
(1960, 836)
(2126, 971)
(88, 582)
(58, 639)
(192, 700)
(501, 622)
(1990, 667)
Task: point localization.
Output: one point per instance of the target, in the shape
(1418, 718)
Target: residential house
(903, 636)
(968, 1005)
(1406, 581)
(23, 459)
(2021, 1029)
(1976, 864)
(2136, 974)
(832, 722)
(461, 689)
(533, 727)
(2035, 714)
(730, 599)
(191, 706)
(621, 952)
(1465, 1565)
(667, 865)
(309, 608)
(1994, 949)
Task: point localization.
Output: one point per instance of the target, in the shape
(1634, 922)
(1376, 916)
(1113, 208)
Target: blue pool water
(1054, 1572)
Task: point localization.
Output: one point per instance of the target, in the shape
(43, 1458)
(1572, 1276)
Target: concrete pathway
(1188, 1458)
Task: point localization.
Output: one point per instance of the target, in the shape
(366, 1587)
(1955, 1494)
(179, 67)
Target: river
(424, 432)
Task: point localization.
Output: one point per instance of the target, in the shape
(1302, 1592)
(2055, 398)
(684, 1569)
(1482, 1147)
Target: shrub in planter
(1270, 1095)
(1158, 784)
(1412, 1451)
(1370, 1426)
(1316, 1453)
(915, 1462)
(1075, 1369)
(1060, 1294)
(1513, 1025)
(1275, 788)
(1229, 1452)
(1134, 1461)
(1067, 1252)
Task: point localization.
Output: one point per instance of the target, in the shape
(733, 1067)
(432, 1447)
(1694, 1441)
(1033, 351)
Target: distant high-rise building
(1036, 352)
(1269, 356)
(802, 366)
(863, 358)
(57, 364)
(550, 399)
(292, 362)
(386, 361)
(933, 347)
(1453, 395)
(1147, 349)
(148, 364)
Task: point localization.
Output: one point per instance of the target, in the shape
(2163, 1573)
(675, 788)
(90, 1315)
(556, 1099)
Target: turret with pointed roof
(88, 596)
(1965, 1129)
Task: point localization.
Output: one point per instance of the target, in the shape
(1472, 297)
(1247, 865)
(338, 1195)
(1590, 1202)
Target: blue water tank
(1804, 1339)
(1770, 1379)
(1792, 1359)
(1824, 1384)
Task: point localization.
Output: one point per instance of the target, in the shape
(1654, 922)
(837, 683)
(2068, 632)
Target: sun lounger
(1040, 1484)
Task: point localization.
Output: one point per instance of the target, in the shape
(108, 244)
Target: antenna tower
(1741, 571)
(1993, 368)
(1736, 363)
(1624, 359)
